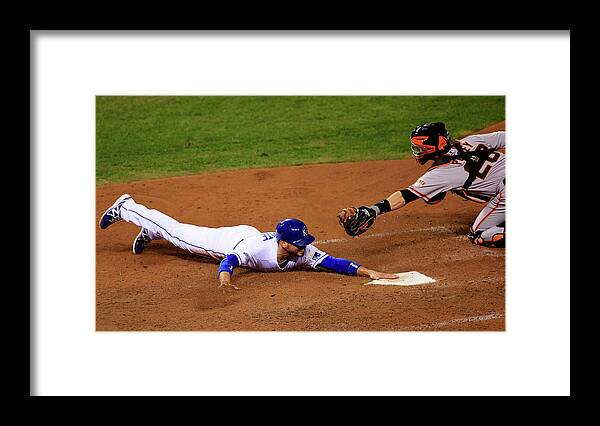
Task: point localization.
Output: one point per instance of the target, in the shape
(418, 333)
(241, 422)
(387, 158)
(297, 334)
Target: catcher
(472, 168)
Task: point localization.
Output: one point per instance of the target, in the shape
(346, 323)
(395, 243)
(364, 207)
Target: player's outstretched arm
(348, 267)
(226, 271)
(398, 199)
(395, 201)
(374, 275)
(225, 281)
(356, 220)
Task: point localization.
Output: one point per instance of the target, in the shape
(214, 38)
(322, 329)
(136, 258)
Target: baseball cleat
(141, 241)
(497, 241)
(113, 213)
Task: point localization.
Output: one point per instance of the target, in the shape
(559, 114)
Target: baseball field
(222, 161)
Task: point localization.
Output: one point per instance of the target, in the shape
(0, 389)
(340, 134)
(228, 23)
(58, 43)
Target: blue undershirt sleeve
(228, 264)
(339, 265)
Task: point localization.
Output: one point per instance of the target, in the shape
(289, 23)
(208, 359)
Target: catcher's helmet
(429, 140)
(293, 231)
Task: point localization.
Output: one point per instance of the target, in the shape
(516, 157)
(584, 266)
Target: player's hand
(382, 276)
(225, 282)
(228, 286)
(374, 275)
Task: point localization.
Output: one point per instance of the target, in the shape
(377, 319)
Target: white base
(405, 278)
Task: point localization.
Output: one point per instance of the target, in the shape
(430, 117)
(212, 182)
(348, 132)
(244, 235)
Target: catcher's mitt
(356, 220)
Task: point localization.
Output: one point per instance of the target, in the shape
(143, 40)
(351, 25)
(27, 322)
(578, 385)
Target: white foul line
(478, 318)
(386, 234)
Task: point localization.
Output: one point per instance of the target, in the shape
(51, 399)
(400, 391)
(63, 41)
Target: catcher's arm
(356, 220)
(395, 201)
(400, 199)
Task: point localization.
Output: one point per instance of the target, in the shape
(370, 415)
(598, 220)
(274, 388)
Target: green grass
(142, 137)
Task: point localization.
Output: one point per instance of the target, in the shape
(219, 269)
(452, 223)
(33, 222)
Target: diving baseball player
(472, 167)
(287, 248)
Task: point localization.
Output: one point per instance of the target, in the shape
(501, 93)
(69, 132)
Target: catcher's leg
(489, 227)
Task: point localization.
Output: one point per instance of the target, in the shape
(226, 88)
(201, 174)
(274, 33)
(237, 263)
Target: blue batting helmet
(294, 231)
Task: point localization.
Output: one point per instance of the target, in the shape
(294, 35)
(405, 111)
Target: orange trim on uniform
(418, 193)
(491, 211)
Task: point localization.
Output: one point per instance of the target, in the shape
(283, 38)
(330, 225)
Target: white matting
(405, 278)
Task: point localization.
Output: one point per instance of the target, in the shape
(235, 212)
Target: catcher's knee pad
(497, 240)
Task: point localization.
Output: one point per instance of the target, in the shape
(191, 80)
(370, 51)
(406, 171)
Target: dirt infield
(167, 289)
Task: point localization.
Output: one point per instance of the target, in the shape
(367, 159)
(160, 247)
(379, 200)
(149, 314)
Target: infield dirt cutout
(167, 289)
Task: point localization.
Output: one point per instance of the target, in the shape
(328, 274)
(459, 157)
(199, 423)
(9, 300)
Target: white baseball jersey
(253, 249)
(451, 176)
(259, 252)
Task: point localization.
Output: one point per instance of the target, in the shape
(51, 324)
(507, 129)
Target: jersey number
(267, 237)
(492, 158)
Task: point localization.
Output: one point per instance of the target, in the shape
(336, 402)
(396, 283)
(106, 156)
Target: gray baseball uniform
(487, 187)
